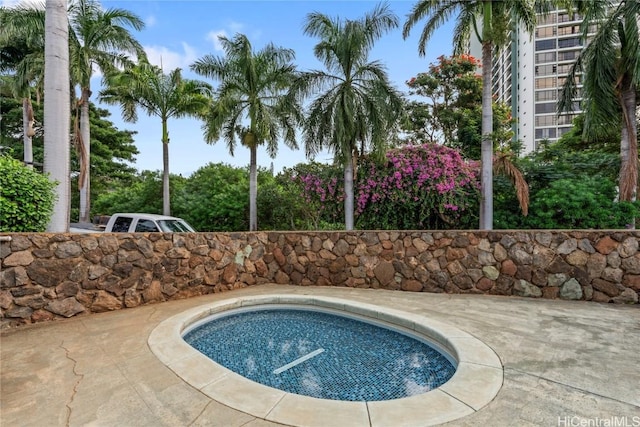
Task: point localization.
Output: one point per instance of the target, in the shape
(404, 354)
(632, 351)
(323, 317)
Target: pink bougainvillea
(417, 186)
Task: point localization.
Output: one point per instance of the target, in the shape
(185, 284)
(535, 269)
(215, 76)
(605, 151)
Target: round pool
(477, 379)
(322, 353)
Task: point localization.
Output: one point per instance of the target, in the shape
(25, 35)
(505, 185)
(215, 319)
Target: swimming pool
(477, 380)
(321, 354)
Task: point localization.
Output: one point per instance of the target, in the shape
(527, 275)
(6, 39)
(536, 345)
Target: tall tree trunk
(27, 124)
(56, 110)
(486, 203)
(253, 187)
(166, 200)
(628, 143)
(85, 158)
(348, 192)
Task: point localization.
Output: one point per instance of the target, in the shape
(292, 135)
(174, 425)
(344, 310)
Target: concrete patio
(565, 363)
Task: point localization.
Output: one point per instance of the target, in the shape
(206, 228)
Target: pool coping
(477, 380)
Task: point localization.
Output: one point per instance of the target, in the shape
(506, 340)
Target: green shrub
(580, 204)
(215, 198)
(26, 197)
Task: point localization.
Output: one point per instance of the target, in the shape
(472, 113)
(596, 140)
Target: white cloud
(212, 36)
(168, 59)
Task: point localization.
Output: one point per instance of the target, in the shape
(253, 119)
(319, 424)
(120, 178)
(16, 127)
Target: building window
(575, 107)
(545, 70)
(541, 58)
(566, 119)
(545, 108)
(547, 19)
(568, 16)
(546, 82)
(545, 32)
(572, 29)
(568, 56)
(546, 95)
(545, 44)
(549, 120)
(545, 133)
(570, 42)
(564, 69)
(562, 80)
(562, 131)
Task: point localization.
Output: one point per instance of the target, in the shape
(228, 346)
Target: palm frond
(503, 164)
(437, 13)
(629, 12)
(348, 106)
(462, 30)
(525, 13)
(250, 84)
(100, 37)
(612, 52)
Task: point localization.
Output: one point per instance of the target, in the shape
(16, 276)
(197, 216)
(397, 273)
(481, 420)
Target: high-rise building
(529, 73)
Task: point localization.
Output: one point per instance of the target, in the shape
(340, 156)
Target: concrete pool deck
(565, 362)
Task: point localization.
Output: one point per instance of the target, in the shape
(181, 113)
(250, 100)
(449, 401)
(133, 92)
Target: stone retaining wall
(50, 276)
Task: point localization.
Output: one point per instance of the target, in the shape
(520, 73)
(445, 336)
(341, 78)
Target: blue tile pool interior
(350, 359)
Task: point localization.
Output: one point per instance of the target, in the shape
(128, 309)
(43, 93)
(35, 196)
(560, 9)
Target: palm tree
(98, 37)
(22, 53)
(610, 67)
(158, 94)
(355, 105)
(56, 116)
(499, 18)
(252, 87)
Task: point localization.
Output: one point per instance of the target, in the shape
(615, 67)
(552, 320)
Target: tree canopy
(353, 106)
(252, 88)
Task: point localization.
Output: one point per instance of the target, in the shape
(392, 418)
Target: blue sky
(178, 32)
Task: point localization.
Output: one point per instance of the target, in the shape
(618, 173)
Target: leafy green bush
(580, 203)
(143, 194)
(568, 190)
(215, 198)
(26, 197)
(297, 212)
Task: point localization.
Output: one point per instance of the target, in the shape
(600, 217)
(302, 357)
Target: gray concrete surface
(566, 363)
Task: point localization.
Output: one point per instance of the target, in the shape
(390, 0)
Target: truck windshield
(175, 226)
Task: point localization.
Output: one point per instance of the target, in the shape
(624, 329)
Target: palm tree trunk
(486, 202)
(27, 123)
(628, 143)
(85, 158)
(56, 110)
(348, 192)
(166, 201)
(253, 188)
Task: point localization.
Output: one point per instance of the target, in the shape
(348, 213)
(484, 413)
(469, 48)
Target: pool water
(322, 355)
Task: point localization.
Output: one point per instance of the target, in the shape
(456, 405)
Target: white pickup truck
(136, 223)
